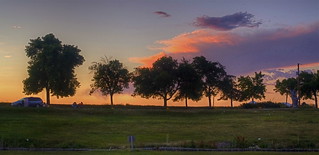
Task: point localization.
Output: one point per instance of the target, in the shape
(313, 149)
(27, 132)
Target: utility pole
(298, 84)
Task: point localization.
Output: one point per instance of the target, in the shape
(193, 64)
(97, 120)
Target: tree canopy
(159, 81)
(212, 75)
(110, 77)
(309, 85)
(51, 67)
(190, 83)
(251, 87)
(288, 87)
(229, 90)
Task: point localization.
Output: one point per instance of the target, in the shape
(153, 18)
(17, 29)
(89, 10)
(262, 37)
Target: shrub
(267, 104)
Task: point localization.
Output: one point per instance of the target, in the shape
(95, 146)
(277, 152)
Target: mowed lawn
(103, 127)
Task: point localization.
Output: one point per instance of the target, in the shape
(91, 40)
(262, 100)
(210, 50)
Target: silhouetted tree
(288, 87)
(251, 87)
(160, 81)
(309, 85)
(52, 67)
(229, 90)
(190, 84)
(212, 73)
(110, 77)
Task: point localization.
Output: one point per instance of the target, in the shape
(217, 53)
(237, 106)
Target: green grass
(151, 153)
(102, 127)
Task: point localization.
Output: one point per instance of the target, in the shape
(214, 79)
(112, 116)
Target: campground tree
(288, 87)
(51, 67)
(109, 77)
(309, 86)
(190, 83)
(211, 73)
(251, 87)
(159, 81)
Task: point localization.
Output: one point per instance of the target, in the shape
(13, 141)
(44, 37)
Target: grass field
(103, 127)
(153, 153)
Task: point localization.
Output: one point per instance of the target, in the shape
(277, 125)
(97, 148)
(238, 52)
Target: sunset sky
(245, 36)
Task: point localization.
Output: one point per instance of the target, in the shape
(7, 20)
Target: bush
(267, 104)
(305, 105)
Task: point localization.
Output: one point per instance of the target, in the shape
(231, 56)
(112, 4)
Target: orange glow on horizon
(309, 65)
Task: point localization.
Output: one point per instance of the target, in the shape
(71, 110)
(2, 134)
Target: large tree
(212, 74)
(229, 90)
(159, 81)
(309, 85)
(110, 77)
(51, 67)
(288, 87)
(251, 87)
(190, 83)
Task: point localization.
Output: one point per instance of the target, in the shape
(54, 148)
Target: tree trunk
(111, 96)
(213, 101)
(294, 98)
(316, 100)
(286, 98)
(231, 98)
(48, 95)
(210, 101)
(231, 102)
(165, 102)
(186, 102)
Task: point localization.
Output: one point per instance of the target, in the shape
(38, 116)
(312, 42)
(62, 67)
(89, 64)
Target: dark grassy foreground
(103, 127)
(153, 153)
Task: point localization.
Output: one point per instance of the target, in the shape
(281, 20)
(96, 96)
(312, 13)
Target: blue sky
(126, 29)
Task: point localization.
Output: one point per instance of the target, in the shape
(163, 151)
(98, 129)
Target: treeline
(52, 68)
(169, 79)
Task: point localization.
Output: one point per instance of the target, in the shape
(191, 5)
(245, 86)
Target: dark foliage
(267, 104)
(190, 83)
(251, 87)
(160, 81)
(52, 67)
(212, 75)
(110, 77)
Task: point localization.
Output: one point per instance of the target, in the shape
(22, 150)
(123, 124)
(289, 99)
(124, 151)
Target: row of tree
(51, 67)
(167, 79)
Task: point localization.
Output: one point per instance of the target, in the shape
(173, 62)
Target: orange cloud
(189, 42)
(294, 67)
(147, 61)
(290, 32)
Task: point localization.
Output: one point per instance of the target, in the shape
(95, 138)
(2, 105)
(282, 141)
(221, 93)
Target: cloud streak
(191, 42)
(228, 22)
(162, 13)
(16, 27)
